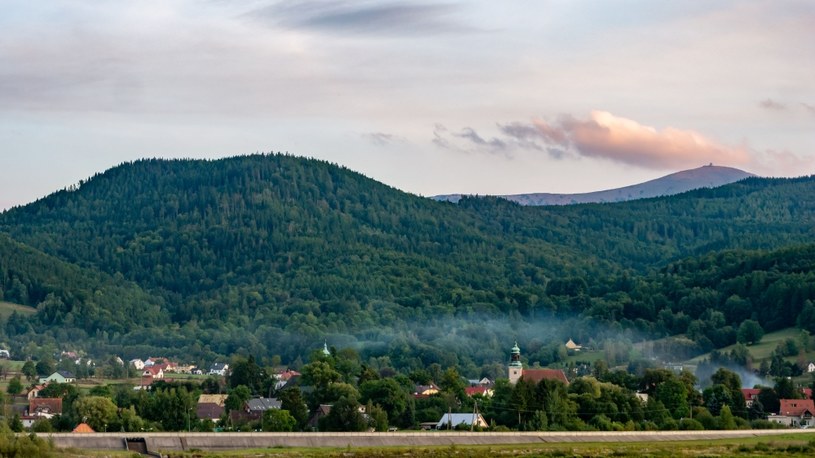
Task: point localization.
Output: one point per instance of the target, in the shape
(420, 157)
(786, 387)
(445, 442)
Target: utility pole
(475, 411)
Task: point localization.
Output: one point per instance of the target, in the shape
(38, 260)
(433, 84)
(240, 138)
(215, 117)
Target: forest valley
(260, 257)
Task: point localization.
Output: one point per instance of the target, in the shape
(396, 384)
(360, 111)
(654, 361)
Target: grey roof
(218, 366)
(261, 404)
(459, 418)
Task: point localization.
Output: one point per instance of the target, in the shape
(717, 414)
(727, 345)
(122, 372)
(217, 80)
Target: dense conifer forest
(271, 254)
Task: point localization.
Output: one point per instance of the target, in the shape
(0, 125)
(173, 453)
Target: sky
(477, 97)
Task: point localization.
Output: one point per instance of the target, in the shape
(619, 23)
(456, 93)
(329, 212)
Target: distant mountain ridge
(709, 176)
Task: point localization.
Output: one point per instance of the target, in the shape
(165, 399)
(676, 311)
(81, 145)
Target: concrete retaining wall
(231, 441)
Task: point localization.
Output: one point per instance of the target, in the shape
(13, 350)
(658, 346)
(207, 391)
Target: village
(335, 391)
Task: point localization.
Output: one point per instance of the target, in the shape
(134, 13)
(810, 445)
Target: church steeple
(516, 368)
(326, 352)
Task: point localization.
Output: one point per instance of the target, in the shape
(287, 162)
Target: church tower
(516, 368)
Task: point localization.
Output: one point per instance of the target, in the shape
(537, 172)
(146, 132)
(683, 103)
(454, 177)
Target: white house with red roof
(795, 413)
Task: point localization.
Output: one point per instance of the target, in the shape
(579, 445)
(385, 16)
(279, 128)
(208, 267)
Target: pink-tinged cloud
(623, 140)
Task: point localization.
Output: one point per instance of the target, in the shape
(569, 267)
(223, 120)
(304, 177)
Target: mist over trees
(266, 255)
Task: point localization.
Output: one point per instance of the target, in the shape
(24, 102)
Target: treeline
(362, 398)
(269, 254)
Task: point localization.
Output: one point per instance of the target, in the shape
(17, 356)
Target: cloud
(809, 108)
(769, 104)
(383, 139)
(361, 17)
(467, 140)
(622, 140)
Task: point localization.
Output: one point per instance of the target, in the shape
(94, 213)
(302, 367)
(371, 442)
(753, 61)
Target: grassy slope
(7, 307)
(763, 349)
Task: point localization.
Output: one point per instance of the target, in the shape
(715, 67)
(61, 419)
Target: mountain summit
(709, 176)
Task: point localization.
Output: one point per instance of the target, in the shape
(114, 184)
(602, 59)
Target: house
(219, 369)
(260, 405)
(485, 391)
(83, 428)
(426, 390)
(152, 361)
(570, 345)
(284, 377)
(155, 372)
(34, 391)
(483, 382)
(750, 395)
(795, 413)
(810, 367)
(517, 371)
(643, 397)
(211, 406)
(4, 354)
(452, 420)
(322, 411)
(45, 407)
(59, 377)
(137, 363)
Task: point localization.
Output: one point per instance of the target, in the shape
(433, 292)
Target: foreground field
(669, 443)
(788, 445)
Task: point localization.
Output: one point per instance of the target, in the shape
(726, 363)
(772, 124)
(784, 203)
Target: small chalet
(137, 363)
(45, 407)
(426, 390)
(795, 413)
(35, 391)
(59, 377)
(810, 368)
(156, 372)
(211, 406)
(219, 369)
(451, 420)
(570, 345)
(750, 395)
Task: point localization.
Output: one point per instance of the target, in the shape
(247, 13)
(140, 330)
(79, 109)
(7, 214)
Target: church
(517, 371)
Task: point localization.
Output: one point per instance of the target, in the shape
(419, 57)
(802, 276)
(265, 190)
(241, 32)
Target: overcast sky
(488, 97)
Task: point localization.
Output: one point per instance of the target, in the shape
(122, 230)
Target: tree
(246, 372)
(97, 411)
(29, 370)
(726, 419)
(750, 332)
(673, 395)
(388, 395)
(291, 400)
(237, 398)
(344, 416)
(15, 386)
(45, 367)
(278, 420)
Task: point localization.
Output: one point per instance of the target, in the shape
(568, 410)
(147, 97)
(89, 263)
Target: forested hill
(269, 254)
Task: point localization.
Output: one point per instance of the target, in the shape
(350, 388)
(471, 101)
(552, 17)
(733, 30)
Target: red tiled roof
(83, 428)
(473, 390)
(536, 375)
(807, 392)
(46, 405)
(750, 393)
(796, 407)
